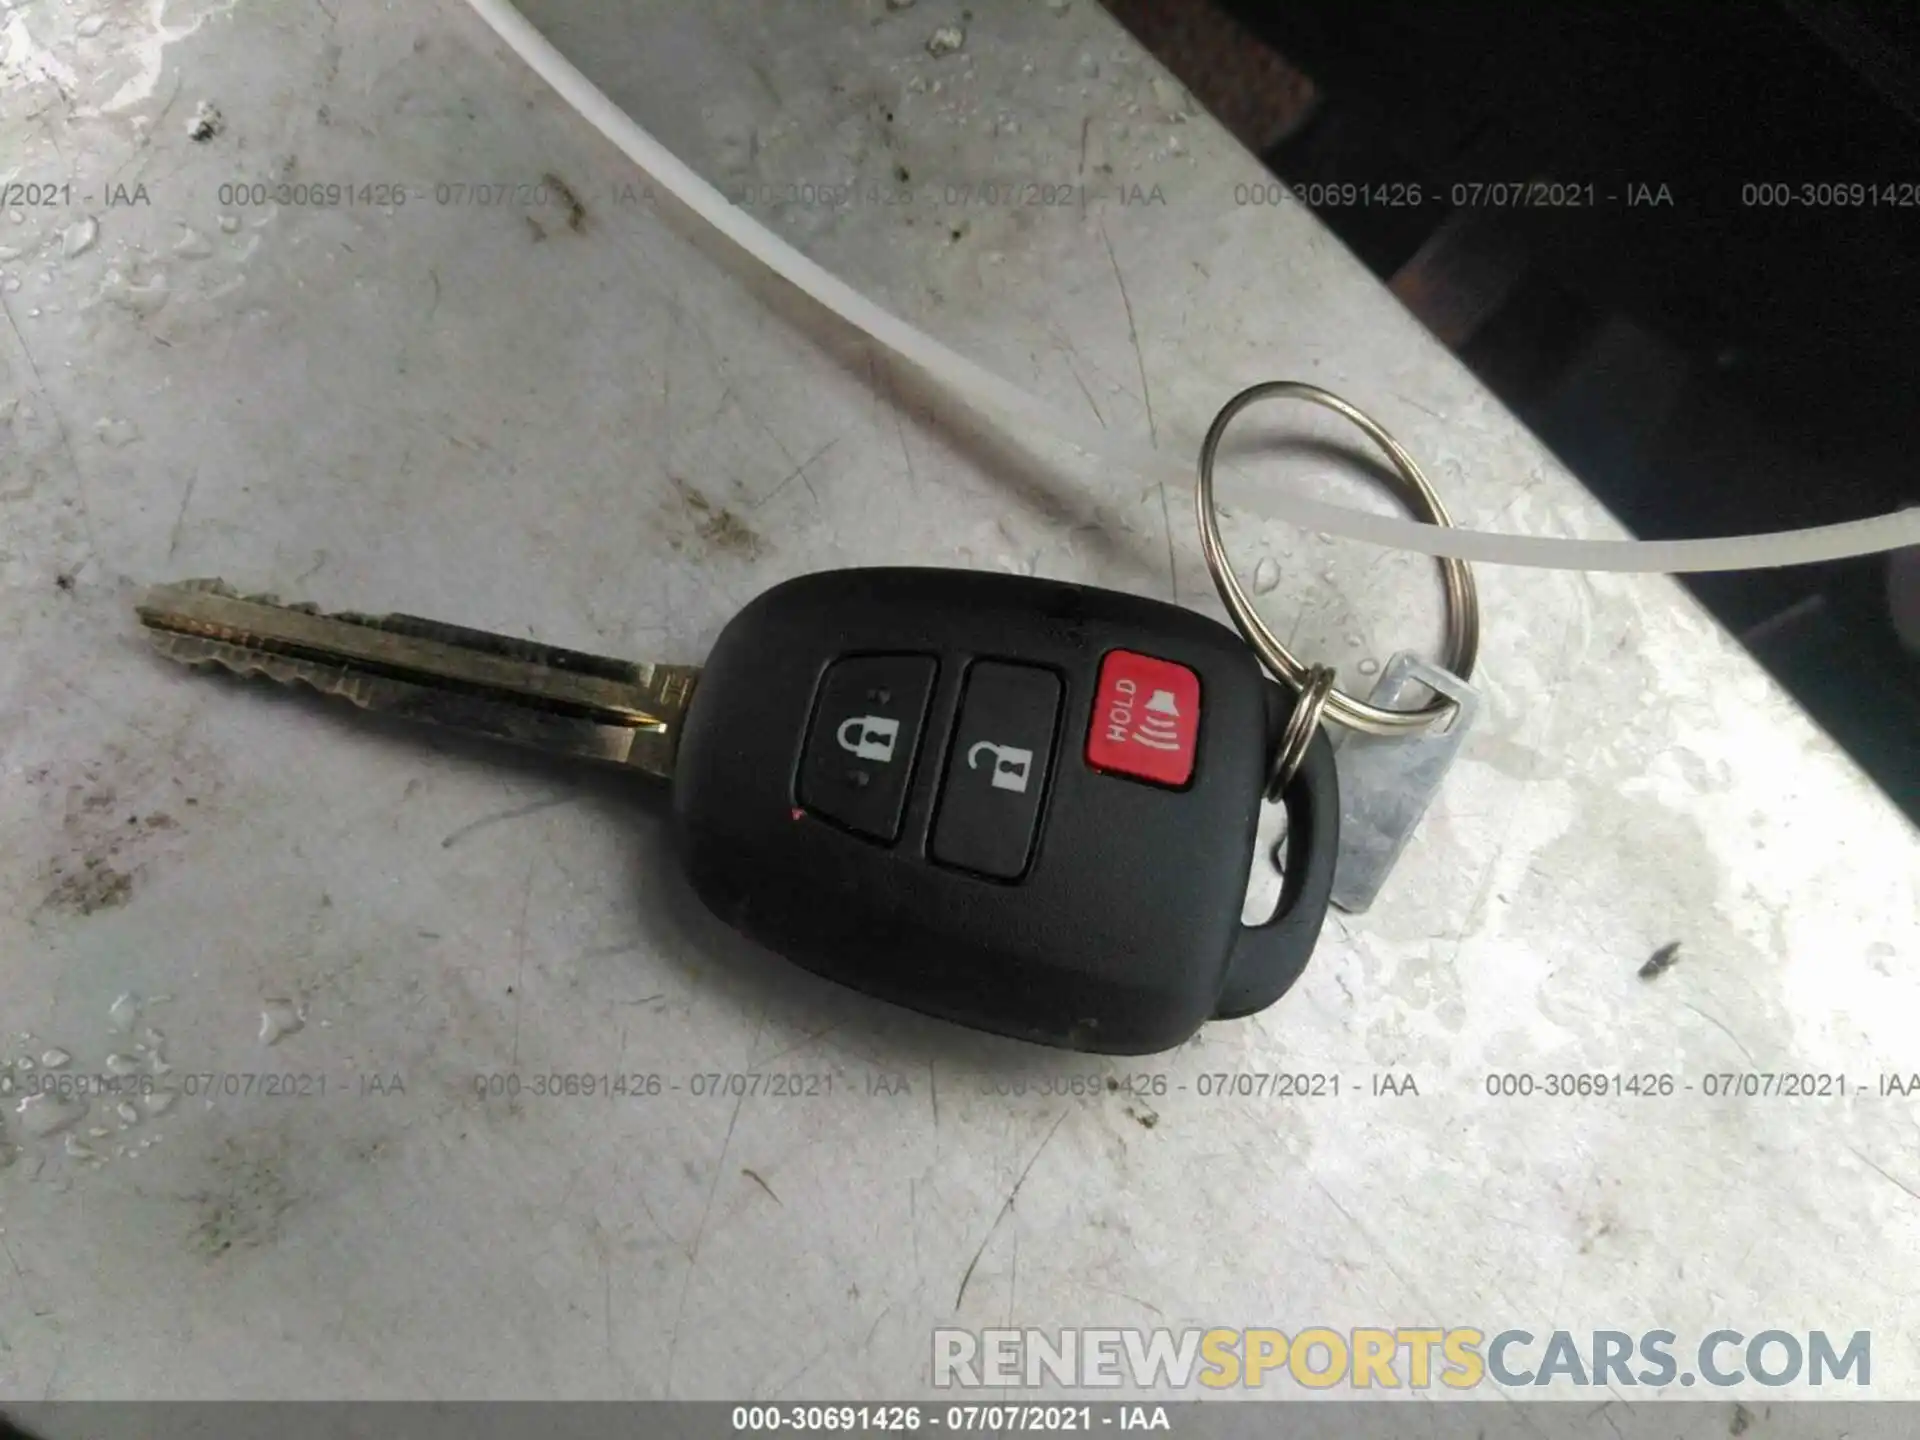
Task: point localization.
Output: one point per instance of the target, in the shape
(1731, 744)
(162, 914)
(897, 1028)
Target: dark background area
(1706, 363)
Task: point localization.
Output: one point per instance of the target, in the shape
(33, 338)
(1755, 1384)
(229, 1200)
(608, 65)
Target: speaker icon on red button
(1146, 719)
(1159, 728)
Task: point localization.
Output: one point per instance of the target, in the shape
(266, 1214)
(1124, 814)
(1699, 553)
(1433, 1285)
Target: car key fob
(1026, 806)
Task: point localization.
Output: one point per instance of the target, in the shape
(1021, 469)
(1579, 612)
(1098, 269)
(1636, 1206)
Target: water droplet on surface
(1353, 642)
(279, 1019)
(80, 237)
(140, 299)
(11, 284)
(229, 224)
(78, 1149)
(128, 1114)
(117, 434)
(56, 1058)
(192, 245)
(1369, 667)
(17, 217)
(1266, 575)
(90, 27)
(119, 1066)
(159, 1102)
(122, 1013)
(24, 1064)
(48, 1114)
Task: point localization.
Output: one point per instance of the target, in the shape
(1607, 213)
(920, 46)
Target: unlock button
(858, 759)
(989, 808)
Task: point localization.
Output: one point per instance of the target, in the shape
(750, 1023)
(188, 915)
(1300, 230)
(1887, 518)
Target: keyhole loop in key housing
(1463, 599)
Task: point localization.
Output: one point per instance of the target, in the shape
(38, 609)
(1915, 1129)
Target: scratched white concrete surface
(442, 409)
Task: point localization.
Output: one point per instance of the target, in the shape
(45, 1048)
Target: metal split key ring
(1318, 695)
(1301, 725)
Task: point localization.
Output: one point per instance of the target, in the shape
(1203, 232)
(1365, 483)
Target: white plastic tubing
(977, 385)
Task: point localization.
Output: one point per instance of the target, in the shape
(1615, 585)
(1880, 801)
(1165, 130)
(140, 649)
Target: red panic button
(1146, 719)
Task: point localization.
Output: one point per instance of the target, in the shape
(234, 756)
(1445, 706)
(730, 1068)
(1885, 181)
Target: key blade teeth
(199, 652)
(406, 700)
(161, 600)
(170, 606)
(554, 699)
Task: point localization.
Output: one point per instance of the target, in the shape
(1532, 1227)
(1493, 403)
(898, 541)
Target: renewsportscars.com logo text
(1383, 1358)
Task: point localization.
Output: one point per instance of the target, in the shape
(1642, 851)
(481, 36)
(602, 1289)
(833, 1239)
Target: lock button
(989, 805)
(858, 759)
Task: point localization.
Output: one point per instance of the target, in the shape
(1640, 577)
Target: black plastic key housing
(1022, 805)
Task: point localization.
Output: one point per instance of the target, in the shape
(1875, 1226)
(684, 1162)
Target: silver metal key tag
(1388, 781)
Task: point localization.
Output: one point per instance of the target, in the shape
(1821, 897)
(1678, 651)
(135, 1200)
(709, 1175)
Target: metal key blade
(563, 701)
